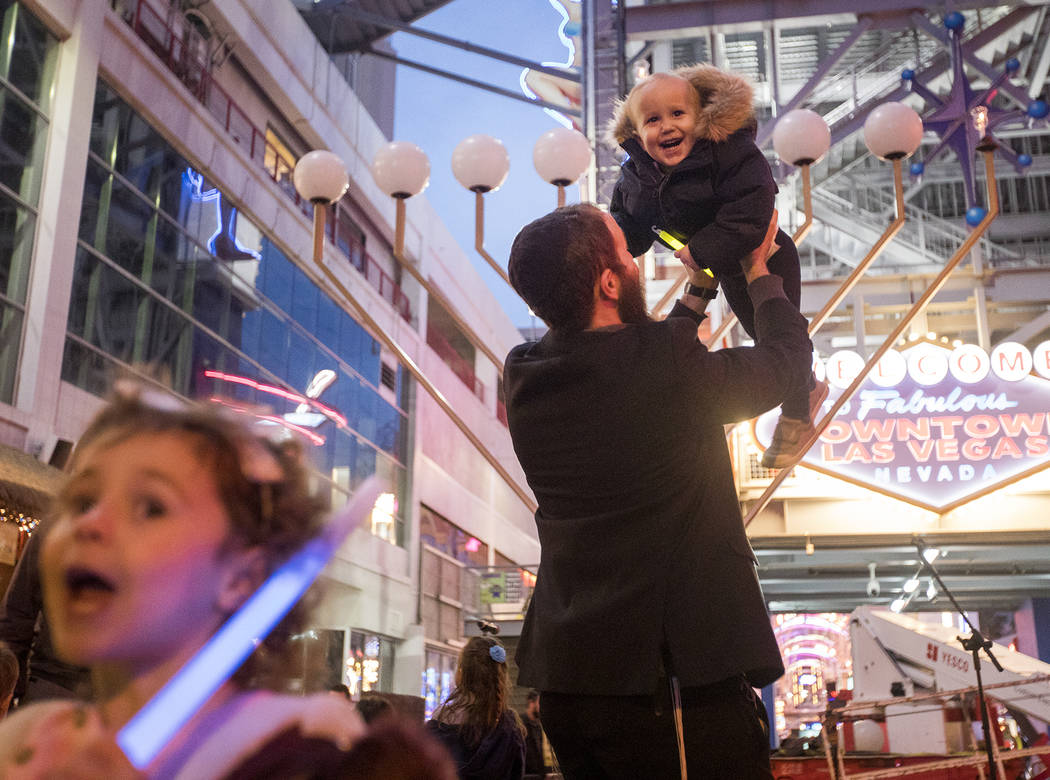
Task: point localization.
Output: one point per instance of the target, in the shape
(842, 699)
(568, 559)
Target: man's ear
(609, 285)
(245, 572)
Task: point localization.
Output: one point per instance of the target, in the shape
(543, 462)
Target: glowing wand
(672, 242)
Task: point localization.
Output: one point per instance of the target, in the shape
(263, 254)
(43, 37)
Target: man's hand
(754, 264)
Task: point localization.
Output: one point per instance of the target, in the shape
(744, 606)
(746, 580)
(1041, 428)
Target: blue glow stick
(160, 719)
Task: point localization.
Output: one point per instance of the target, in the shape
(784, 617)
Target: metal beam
(473, 83)
(391, 24)
(687, 19)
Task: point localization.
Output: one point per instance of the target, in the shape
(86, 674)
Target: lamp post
(320, 177)
(402, 170)
(310, 180)
(893, 132)
(480, 163)
(561, 156)
(896, 124)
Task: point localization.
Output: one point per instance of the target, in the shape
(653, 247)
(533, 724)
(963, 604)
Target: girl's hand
(70, 743)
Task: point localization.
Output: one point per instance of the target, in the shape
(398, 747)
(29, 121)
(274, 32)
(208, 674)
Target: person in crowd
(340, 689)
(24, 629)
(694, 171)
(372, 706)
(485, 738)
(647, 595)
(8, 679)
(537, 751)
(172, 516)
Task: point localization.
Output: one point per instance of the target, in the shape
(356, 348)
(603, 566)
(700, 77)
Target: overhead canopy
(340, 30)
(26, 484)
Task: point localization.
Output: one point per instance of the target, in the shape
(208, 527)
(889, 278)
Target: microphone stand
(974, 643)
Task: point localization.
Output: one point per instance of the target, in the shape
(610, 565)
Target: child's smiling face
(665, 114)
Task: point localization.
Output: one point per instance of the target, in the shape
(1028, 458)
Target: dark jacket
(534, 764)
(642, 550)
(499, 756)
(25, 631)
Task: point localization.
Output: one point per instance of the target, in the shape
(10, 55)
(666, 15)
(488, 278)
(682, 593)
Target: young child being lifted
(694, 171)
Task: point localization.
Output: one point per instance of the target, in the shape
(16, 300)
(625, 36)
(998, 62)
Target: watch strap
(707, 293)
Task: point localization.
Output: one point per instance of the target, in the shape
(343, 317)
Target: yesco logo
(934, 425)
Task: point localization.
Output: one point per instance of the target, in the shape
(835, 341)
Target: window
(439, 676)
(370, 664)
(27, 63)
(168, 274)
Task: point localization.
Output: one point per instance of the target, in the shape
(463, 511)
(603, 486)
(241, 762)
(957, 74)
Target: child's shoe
(788, 438)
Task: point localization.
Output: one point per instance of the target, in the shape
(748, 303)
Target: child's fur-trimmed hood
(726, 105)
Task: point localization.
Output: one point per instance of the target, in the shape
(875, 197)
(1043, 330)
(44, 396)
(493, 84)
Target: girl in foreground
(171, 518)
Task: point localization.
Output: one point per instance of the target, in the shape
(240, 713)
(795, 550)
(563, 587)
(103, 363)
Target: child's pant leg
(785, 264)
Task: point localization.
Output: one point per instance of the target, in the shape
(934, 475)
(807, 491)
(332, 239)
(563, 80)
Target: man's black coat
(620, 433)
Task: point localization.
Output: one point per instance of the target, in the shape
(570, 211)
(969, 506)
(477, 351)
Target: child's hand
(69, 743)
(697, 276)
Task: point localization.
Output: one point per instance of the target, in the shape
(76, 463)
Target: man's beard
(631, 305)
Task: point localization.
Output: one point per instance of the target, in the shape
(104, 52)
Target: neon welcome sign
(934, 425)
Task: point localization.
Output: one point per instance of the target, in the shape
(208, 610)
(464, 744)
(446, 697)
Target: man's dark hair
(556, 260)
(532, 695)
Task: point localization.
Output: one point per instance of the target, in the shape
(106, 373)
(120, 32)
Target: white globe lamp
(401, 169)
(320, 177)
(893, 131)
(480, 163)
(801, 137)
(561, 156)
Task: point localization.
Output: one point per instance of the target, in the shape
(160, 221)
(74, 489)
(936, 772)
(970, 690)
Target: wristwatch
(707, 293)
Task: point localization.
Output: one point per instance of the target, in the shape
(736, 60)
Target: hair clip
(151, 398)
(498, 654)
(257, 463)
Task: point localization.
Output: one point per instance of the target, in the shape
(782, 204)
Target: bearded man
(647, 595)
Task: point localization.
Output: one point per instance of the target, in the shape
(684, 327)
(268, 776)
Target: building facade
(152, 230)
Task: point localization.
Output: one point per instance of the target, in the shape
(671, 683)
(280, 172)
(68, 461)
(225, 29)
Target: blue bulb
(571, 29)
(1012, 64)
(1038, 109)
(1024, 160)
(974, 216)
(954, 21)
(907, 74)
(917, 168)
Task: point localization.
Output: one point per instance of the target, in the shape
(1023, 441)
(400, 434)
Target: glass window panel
(16, 248)
(304, 301)
(10, 344)
(23, 138)
(273, 343)
(86, 368)
(27, 54)
(328, 315)
(368, 407)
(303, 362)
(276, 274)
